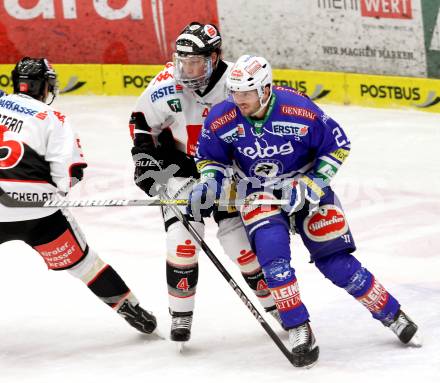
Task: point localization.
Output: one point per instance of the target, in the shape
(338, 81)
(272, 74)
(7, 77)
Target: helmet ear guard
(31, 75)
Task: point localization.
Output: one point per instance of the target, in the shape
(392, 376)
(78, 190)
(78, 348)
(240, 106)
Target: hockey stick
(184, 220)
(8, 201)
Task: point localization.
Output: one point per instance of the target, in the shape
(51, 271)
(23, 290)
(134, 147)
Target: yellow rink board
(323, 87)
(319, 86)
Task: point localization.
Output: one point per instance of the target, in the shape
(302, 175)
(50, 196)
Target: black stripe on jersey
(32, 167)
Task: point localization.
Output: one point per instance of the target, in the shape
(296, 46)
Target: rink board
(323, 87)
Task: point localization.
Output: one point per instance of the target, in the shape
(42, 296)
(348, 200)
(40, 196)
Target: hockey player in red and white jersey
(165, 125)
(41, 158)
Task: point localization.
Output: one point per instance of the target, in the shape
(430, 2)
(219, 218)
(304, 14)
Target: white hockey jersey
(38, 150)
(166, 104)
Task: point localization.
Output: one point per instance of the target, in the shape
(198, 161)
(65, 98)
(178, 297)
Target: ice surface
(52, 329)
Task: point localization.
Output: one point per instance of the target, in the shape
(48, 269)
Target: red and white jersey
(38, 150)
(166, 104)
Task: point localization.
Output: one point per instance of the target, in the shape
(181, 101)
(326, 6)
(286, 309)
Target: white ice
(53, 329)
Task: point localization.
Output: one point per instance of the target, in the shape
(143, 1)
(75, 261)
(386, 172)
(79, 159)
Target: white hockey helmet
(249, 73)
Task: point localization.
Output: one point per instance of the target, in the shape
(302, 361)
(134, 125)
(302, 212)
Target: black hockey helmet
(31, 75)
(194, 47)
(199, 39)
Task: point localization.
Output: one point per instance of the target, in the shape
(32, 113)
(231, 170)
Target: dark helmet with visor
(194, 46)
(31, 75)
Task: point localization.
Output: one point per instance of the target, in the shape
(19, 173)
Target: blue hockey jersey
(295, 137)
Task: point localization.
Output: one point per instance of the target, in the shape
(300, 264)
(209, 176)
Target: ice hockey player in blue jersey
(283, 146)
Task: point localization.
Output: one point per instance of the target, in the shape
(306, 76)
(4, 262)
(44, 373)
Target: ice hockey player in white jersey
(165, 126)
(41, 157)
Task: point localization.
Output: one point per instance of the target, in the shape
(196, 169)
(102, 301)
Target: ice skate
(406, 330)
(305, 351)
(142, 320)
(181, 328)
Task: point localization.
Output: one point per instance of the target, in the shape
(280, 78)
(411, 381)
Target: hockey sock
(345, 271)
(182, 283)
(272, 247)
(182, 268)
(233, 238)
(103, 281)
(254, 277)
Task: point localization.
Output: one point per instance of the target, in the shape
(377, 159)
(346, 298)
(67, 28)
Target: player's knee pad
(103, 280)
(339, 267)
(233, 238)
(182, 260)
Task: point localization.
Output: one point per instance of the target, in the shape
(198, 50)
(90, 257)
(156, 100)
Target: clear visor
(248, 96)
(192, 71)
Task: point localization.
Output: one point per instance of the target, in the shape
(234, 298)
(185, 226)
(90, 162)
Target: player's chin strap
(246, 301)
(263, 104)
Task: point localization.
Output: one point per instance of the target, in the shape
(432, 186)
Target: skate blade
(416, 340)
(156, 335)
(181, 347)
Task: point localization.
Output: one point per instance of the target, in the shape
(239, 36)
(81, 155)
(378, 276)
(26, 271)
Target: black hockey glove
(145, 164)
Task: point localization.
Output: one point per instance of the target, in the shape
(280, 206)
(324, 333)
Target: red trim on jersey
(24, 181)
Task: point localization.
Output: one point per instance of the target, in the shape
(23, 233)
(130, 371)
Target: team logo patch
(289, 129)
(287, 296)
(231, 136)
(295, 111)
(376, 297)
(210, 30)
(246, 257)
(326, 224)
(223, 120)
(280, 270)
(24, 87)
(186, 250)
(240, 130)
(253, 67)
(254, 213)
(265, 151)
(263, 169)
(175, 105)
(62, 252)
(236, 74)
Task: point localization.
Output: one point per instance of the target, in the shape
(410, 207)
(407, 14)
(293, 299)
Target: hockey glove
(307, 189)
(201, 201)
(149, 175)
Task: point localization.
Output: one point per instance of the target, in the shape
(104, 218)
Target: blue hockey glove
(201, 201)
(301, 191)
